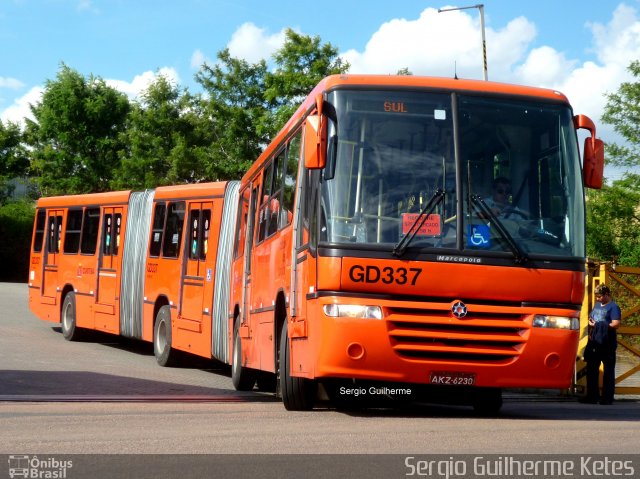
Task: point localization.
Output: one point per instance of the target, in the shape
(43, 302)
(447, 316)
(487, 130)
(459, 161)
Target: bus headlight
(352, 311)
(555, 322)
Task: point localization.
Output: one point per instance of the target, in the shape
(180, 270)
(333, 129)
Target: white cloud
(544, 66)
(441, 43)
(430, 44)
(616, 44)
(142, 81)
(253, 43)
(12, 83)
(20, 109)
(249, 43)
(198, 59)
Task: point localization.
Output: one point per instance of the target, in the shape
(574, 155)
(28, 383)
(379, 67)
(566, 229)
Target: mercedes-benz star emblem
(459, 309)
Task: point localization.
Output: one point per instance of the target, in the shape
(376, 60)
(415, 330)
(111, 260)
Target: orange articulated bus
(401, 236)
(147, 265)
(371, 258)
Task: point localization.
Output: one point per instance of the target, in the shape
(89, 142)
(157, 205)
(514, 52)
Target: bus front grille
(435, 334)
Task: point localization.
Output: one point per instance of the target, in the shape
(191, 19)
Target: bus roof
(404, 81)
(89, 199)
(449, 84)
(195, 190)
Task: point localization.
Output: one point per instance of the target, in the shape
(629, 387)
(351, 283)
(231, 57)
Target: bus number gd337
(386, 275)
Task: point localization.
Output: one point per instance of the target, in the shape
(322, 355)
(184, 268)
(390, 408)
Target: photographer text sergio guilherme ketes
(509, 466)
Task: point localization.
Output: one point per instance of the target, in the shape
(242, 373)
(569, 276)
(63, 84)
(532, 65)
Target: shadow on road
(93, 386)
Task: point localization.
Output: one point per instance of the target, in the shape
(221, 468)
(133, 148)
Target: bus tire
(164, 353)
(298, 394)
(488, 402)
(70, 330)
(243, 378)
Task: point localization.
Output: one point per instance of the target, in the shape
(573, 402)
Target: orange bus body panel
(52, 274)
(186, 282)
(188, 292)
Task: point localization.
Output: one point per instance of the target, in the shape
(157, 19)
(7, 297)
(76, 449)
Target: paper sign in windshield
(430, 227)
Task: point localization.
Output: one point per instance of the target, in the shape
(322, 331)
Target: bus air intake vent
(435, 334)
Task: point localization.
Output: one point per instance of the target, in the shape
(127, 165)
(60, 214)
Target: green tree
(300, 64)
(165, 140)
(75, 135)
(613, 221)
(236, 105)
(623, 112)
(16, 223)
(248, 103)
(14, 161)
(613, 213)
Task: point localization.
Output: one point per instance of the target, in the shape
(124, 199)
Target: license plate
(445, 378)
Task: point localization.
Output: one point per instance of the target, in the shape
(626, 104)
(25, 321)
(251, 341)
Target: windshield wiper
(401, 247)
(520, 255)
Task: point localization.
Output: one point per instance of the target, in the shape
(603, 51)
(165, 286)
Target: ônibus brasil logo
(34, 467)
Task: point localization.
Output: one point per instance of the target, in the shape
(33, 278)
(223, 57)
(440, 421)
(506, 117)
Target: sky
(580, 47)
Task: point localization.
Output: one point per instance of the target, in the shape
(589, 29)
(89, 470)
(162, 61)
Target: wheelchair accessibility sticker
(479, 236)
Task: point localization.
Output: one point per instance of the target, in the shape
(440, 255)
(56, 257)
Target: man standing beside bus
(604, 320)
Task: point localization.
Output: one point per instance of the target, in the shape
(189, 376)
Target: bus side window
(173, 230)
(276, 193)
(107, 237)
(205, 219)
(111, 236)
(73, 231)
(90, 231)
(194, 234)
(117, 226)
(55, 231)
(157, 230)
(264, 216)
(41, 218)
(241, 224)
(291, 174)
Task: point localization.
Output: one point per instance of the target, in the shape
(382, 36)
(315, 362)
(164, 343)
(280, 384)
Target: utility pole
(484, 42)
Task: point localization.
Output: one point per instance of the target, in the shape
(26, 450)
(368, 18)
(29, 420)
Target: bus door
(198, 273)
(248, 254)
(38, 252)
(303, 267)
(109, 270)
(52, 253)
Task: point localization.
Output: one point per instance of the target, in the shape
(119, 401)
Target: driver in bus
(500, 201)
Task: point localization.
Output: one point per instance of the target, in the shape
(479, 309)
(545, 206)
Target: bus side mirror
(593, 161)
(315, 139)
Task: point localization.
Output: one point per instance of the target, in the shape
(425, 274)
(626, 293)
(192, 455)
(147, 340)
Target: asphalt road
(109, 396)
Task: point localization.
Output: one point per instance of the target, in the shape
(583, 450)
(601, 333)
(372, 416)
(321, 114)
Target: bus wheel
(68, 320)
(243, 378)
(165, 354)
(488, 402)
(298, 394)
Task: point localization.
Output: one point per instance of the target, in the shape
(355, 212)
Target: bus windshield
(508, 180)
